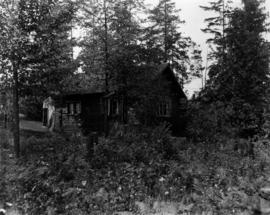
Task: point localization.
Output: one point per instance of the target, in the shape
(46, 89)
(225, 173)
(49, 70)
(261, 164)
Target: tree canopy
(239, 74)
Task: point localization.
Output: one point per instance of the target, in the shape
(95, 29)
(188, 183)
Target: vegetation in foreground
(135, 165)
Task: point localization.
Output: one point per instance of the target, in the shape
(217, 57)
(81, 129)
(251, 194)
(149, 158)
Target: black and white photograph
(134, 107)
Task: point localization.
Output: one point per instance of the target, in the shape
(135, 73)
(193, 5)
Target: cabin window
(164, 108)
(109, 107)
(70, 108)
(74, 108)
(113, 107)
(77, 108)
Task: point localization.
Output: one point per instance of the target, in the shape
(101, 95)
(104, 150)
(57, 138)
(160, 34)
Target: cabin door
(45, 116)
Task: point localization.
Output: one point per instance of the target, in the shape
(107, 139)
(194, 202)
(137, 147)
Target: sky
(194, 17)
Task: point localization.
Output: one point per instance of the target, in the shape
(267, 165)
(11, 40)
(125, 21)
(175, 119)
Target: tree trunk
(165, 34)
(16, 120)
(106, 46)
(106, 122)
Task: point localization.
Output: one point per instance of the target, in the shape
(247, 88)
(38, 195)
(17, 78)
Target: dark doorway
(45, 116)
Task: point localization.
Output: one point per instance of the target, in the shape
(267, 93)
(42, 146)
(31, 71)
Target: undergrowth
(136, 165)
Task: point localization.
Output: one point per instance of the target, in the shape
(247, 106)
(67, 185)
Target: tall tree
(12, 51)
(163, 32)
(126, 48)
(48, 57)
(164, 41)
(112, 31)
(239, 75)
(96, 17)
(217, 26)
(47, 25)
(35, 49)
(248, 73)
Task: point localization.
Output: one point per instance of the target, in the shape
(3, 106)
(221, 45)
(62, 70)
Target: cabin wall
(66, 122)
(115, 110)
(92, 117)
(88, 116)
(177, 119)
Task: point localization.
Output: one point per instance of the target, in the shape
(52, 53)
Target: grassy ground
(131, 172)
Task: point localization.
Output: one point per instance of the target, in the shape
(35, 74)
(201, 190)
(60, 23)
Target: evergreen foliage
(48, 50)
(121, 52)
(247, 63)
(216, 26)
(238, 76)
(164, 42)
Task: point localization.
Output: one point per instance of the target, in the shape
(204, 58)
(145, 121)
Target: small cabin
(97, 110)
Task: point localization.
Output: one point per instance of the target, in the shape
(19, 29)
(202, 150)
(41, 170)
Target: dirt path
(32, 126)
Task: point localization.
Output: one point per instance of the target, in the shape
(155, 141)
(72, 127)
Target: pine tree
(126, 48)
(247, 61)
(34, 49)
(239, 75)
(164, 21)
(97, 43)
(48, 54)
(11, 52)
(164, 41)
(112, 35)
(217, 26)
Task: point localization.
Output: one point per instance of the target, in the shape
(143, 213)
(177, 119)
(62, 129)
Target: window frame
(74, 108)
(165, 108)
(112, 107)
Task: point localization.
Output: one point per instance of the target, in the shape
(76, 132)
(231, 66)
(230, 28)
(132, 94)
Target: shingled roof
(85, 84)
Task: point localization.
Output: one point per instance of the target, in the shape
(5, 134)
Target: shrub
(137, 164)
(207, 122)
(233, 119)
(31, 106)
(135, 145)
(49, 168)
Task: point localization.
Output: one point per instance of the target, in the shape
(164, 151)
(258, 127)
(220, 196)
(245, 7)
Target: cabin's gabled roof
(162, 67)
(83, 84)
(166, 71)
